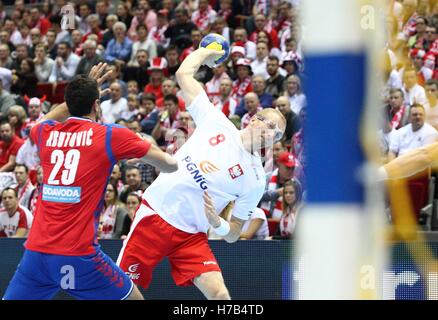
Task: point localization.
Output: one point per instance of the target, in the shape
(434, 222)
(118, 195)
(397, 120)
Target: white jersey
(263, 232)
(22, 218)
(212, 160)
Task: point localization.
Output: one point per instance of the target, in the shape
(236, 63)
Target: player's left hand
(210, 211)
(97, 73)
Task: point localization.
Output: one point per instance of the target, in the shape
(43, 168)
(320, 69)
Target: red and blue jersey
(77, 157)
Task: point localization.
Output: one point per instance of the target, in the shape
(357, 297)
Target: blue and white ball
(217, 42)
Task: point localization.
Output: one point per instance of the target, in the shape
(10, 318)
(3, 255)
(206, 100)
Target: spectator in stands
(413, 92)
(15, 220)
(112, 109)
(84, 12)
(43, 63)
(272, 198)
(292, 63)
(204, 16)
(263, 36)
(37, 190)
(414, 135)
(17, 119)
(179, 29)
(66, 64)
(123, 14)
(172, 61)
(133, 87)
(139, 73)
(242, 85)
(119, 49)
(156, 34)
(131, 111)
(21, 53)
(292, 121)
(50, 43)
(23, 35)
(39, 21)
(134, 125)
(11, 27)
(133, 183)
(101, 12)
(259, 65)
(241, 39)
(274, 84)
(432, 106)
(76, 42)
(221, 27)
(271, 161)
(256, 227)
(261, 24)
(148, 112)
(225, 102)
(195, 37)
(35, 37)
(167, 119)
(396, 111)
(24, 81)
(24, 185)
(265, 99)
(6, 101)
(112, 216)
(252, 106)
(156, 71)
(116, 178)
(292, 193)
(144, 43)
(294, 92)
(108, 35)
(169, 87)
(5, 58)
(94, 26)
(9, 145)
(212, 86)
(61, 35)
(420, 29)
(90, 58)
(112, 78)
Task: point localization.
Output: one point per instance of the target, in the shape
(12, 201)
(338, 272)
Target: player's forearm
(60, 113)
(234, 233)
(409, 164)
(161, 160)
(20, 233)
(192, 63)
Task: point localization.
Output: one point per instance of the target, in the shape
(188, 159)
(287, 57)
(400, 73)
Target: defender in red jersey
(77, 157)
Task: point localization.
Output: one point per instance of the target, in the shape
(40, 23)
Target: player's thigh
(135, 294)
(212, 285)
(31, 281)
(96, 277)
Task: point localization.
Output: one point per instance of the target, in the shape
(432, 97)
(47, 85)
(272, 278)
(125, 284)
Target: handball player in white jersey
(217, 164)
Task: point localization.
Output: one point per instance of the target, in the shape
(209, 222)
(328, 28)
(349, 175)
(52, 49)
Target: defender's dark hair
(171, 97)
(80, 95)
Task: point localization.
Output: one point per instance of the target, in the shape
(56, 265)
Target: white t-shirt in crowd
(406, 140)
(113, 111)
(263, 231)
(213, 160)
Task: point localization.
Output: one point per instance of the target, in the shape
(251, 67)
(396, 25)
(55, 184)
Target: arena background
(260, 270)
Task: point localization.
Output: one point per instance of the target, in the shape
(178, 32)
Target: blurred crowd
(43, 45)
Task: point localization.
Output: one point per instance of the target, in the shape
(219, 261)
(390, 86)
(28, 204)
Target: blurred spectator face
(161, 21)
(396, 100)
(168, 87)
(251, 102)
(84, 11)
(167, 4)
(417, 116)
(242, 72)
(109, 193)
(35, 36)
(35, 15)
(24, 66)
(101, 8)
(218, 25)
(4, 52)
(116, 174)
(76, 37)
(290, 67)
(262, 37)
(132, 87)
(157, 75)
(289, 195)
(20, 174)
(430, 33)
(225, 87)
(9, 200)
(119, 32)
(142, 58)
(9, 25)
(144, 4)
(115, 91)
(431, 91)
(420, 25)
(39, 175)
(6, 132)
(114, 74)
(50, 37)
(4, 36)
(139, 13)
(272, 67)
(134, 126)
(180, 17)
(236, 56)
(240, 35)
(277, 149)
(283, 10)
(260, 22)
(219, 70)
(142, 32)
(258, 85)
(292, 85)
(63, 51)
(170, 106)
(291, 45)
(22, 52)
(121, 10)
(132, 202)
(34, 111)
(89, 49)
(203, 5)
(93, 22)
(285, 172)
(410, 78)
(110, 21)
(133, 178)
(24, 30)
(282, 105)
(184, 119)
(262, 50)
(148, 106)
(172, 57)
(196, 38)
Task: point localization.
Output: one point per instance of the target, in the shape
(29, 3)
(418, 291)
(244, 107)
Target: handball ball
(217, 42)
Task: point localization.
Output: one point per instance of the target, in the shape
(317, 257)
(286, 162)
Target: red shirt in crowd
(9, 149)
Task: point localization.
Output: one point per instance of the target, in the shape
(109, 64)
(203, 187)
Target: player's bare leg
(212, 285)
(135, 294)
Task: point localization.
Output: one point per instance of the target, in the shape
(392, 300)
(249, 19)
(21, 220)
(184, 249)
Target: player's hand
(210, 211)
(210, 56)
(97, 73)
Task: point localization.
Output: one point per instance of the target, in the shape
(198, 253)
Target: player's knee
(220, 294)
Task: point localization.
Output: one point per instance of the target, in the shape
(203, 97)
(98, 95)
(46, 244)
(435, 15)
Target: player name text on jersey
(70, 139)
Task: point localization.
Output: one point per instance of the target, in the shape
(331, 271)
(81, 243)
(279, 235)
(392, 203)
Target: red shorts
(151, 239)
